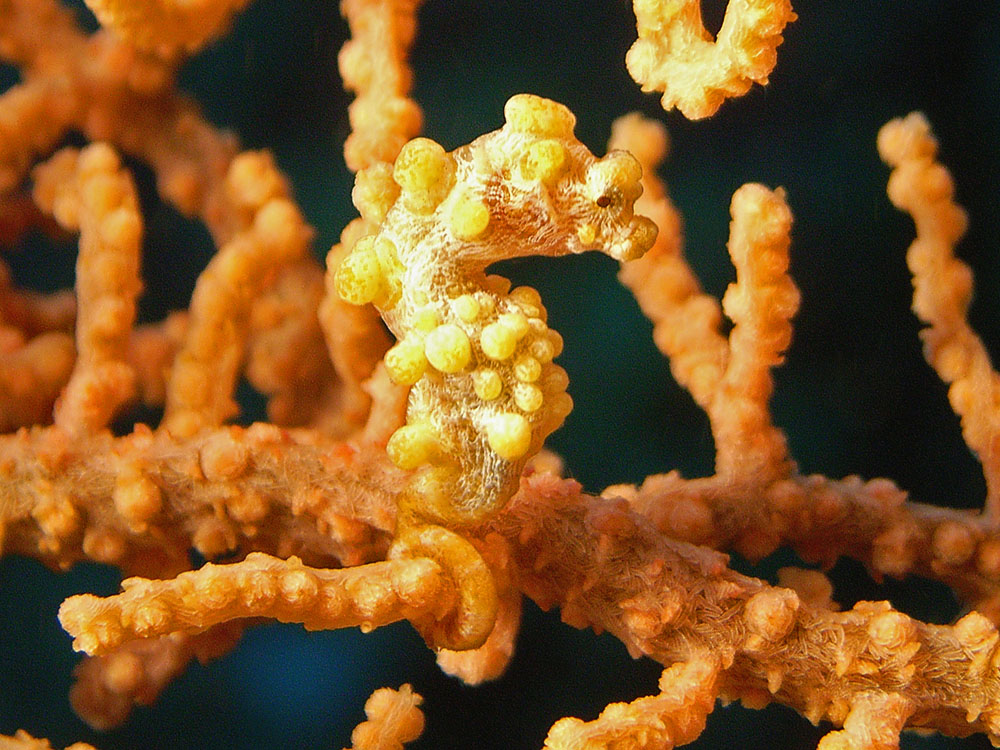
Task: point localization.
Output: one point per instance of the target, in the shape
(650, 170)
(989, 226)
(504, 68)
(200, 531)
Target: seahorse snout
(613, 183)
(633, 243)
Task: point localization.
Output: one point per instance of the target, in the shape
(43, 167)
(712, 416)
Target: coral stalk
(942, 290)
(605, 568)
(90, 191)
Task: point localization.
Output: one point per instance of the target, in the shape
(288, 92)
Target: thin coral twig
(942, 290)
(367, 596)
(394, 718)
(89, 191)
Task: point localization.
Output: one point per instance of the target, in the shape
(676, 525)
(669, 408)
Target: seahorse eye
(604, 201)
(615, 176)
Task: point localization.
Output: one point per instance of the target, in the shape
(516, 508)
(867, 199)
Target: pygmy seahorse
(485, 393)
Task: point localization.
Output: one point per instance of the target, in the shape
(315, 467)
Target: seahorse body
(485, 393)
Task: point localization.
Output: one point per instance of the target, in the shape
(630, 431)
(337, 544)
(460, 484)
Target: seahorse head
(577, 201)
(529, 188)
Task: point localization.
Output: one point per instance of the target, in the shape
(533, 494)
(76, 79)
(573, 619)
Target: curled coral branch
(676, 54)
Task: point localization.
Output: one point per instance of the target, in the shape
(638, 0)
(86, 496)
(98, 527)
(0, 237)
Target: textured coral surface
(854, 397)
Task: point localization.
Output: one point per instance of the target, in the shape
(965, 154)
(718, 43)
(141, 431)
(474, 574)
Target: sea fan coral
(853, 396)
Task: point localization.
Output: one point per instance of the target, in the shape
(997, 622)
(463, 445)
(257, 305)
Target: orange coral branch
(760, 304)
(730, 379)
(763, 503)
(89, 191)
(605, 568)
(142, 501)
(200, 389)
(824, 519)
(108, 687)
(33, 117)
(31, 377)
(286, 357)
(33, 313)
(367, 596)
(125, 98)
(942, 290)
(675, 717)
(875, 721)
(394, 718)
(24, 741)
(686, 321)
(167, 26)
(373, 65)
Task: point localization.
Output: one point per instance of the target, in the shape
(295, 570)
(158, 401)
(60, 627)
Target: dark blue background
(854, 397)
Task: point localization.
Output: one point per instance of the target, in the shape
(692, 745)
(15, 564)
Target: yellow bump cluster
(544, 348)
(509, 435)
(487, 384)
(425, 172)
(470, 218)
(528, 397)
(466, 307)
(447, 347)
(371, 273)
(545, 160)
(406, 361)
(499, 339)
(526, 113)
(425, 320)
(411, 445)
(529, 301)
(527, 369)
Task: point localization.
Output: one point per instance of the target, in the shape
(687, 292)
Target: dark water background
(855, 396)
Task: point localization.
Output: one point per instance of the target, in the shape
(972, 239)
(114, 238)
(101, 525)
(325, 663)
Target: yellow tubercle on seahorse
(485, 392)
